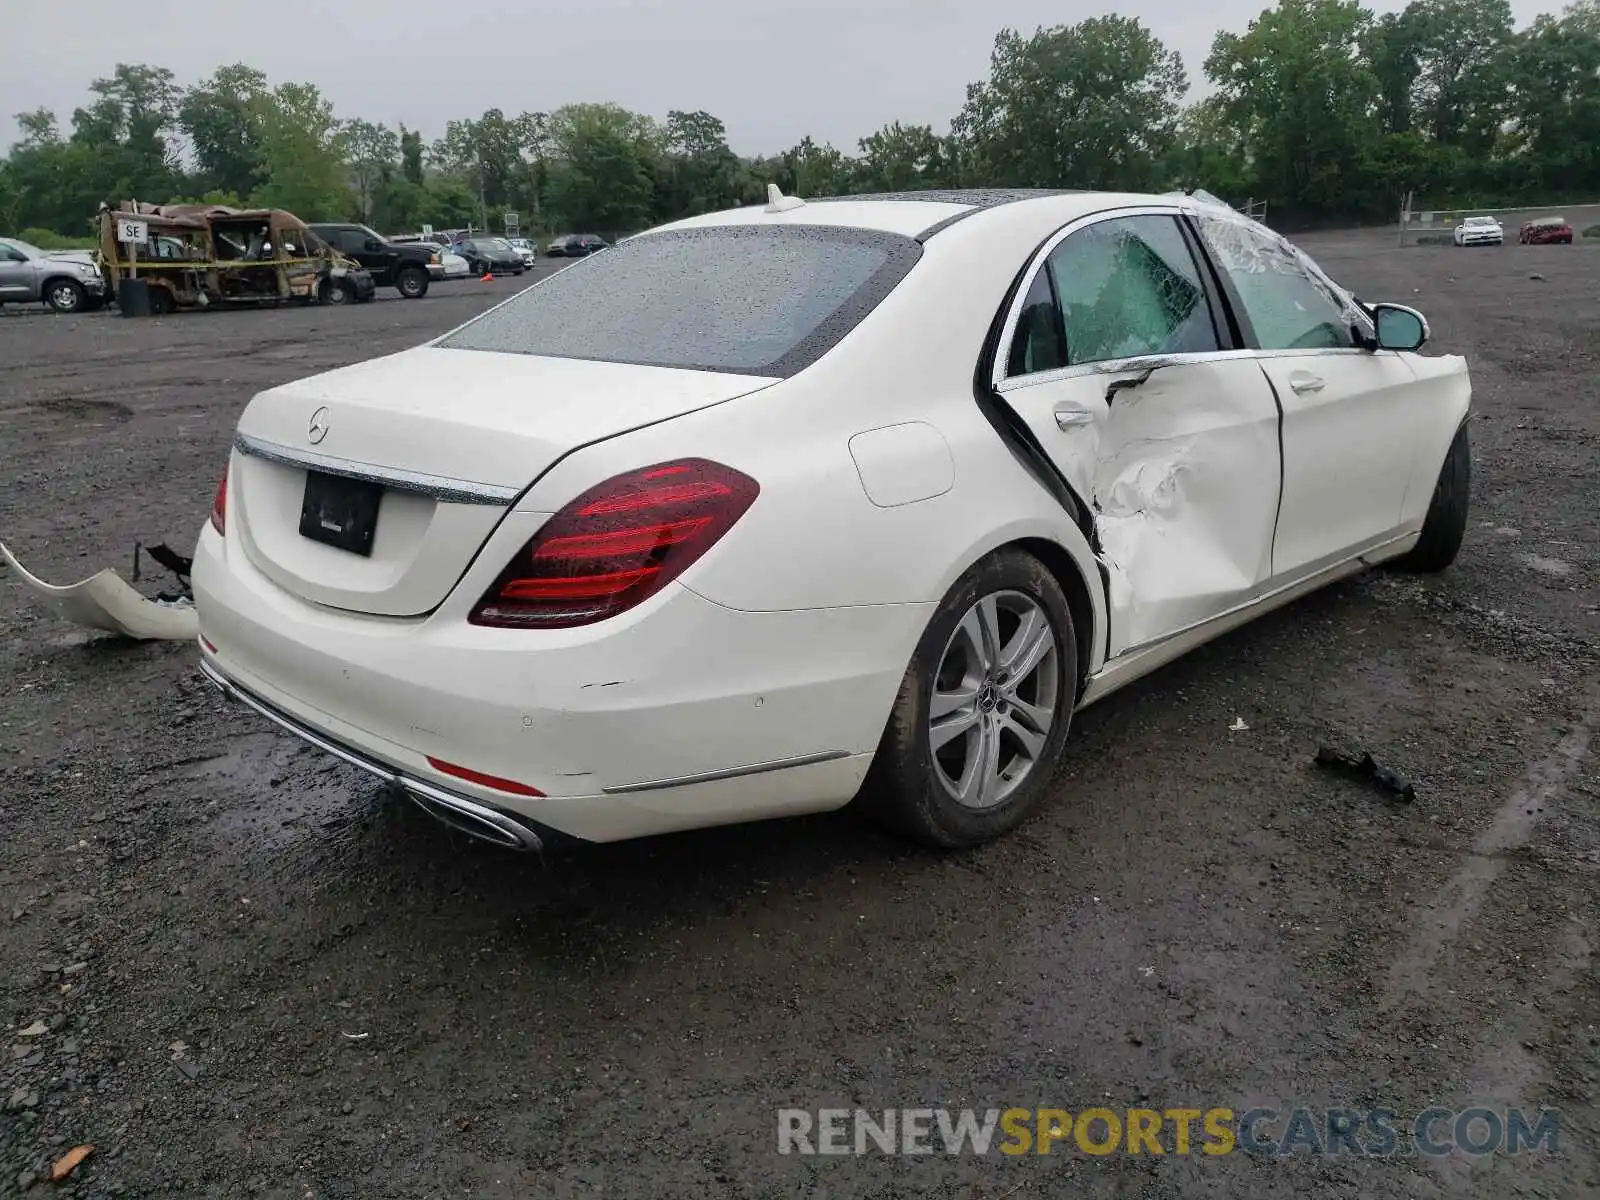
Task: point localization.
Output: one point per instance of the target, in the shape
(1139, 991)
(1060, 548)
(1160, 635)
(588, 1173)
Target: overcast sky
(772, 70)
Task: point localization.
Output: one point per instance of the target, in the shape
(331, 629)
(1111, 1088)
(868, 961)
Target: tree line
(1319, 108)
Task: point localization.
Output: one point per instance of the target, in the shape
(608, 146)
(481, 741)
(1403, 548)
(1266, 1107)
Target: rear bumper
(479, 820)
(680, 714)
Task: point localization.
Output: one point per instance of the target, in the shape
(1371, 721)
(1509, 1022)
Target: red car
(1545, 230)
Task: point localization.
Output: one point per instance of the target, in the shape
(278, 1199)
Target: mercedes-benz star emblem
(318, 428)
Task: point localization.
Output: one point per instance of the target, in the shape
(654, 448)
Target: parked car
(402, 266)
(450, 266)
(529, 252)
(696, 547)
(584, 244)
(1479, 231)
(490, 254)
(1546, 230)
(65, 280)
(556, 247)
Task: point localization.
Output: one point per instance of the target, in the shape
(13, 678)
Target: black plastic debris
(1365, 769)
(166, 557)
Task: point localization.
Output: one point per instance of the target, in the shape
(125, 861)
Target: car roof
(921, 214)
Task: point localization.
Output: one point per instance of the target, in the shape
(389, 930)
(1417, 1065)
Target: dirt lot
(258, 977)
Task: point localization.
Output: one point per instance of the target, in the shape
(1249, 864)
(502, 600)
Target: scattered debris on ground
(1366, 769)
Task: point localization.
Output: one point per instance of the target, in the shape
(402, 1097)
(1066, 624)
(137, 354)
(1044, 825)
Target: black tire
(910, 787)
(336, 291)
(1446, 523)
(161, 302)
(412, 283)
(64, 295)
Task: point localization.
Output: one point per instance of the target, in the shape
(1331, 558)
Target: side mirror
(1399, 327)
(374, 245)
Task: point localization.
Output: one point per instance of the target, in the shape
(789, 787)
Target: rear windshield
(731, 299)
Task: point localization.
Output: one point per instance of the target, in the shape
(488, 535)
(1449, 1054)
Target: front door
(16, 274)
(1351, 416)
(1118, 364)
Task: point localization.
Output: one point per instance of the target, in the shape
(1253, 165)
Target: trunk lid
(452, 437)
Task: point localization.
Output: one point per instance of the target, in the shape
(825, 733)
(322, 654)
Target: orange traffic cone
(488, 277)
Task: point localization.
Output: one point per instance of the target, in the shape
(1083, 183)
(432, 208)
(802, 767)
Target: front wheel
(412, 283)
(335, 291)
(983, 709)
(64, 295)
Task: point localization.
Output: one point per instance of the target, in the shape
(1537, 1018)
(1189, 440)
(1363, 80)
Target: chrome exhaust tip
(474, 820)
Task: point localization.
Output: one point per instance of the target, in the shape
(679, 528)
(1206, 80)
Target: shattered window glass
(1129, 288)
(1287, 300)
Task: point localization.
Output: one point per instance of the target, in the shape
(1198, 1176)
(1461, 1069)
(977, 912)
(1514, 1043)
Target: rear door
(1351, 416)
(1122, 364)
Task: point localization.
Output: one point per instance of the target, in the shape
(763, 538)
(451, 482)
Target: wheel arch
(1066, 555)
(1069, 575)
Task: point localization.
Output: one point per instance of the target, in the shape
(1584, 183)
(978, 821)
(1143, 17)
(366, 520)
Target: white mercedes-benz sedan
(767, 509)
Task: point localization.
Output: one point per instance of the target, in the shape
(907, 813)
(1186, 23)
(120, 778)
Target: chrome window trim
(437, 487)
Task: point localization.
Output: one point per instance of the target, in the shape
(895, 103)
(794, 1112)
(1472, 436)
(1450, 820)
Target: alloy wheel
(994, 698)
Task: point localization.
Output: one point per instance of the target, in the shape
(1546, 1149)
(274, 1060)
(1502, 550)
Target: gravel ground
(256, 976)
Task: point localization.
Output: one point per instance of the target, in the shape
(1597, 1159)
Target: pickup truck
(400, 265)
(67, 281)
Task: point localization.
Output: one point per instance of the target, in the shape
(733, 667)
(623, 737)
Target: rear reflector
(509, 786)
(616, 545)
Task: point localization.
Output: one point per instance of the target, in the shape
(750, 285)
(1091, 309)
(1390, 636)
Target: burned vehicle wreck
(198, 255)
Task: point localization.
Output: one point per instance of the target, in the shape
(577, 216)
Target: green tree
(602, 177)
(411, 155)
(1554, 108)
(1087, 105)
(1460, 90)
(222, 117)
(372, 152)
(302, 150)
(699, 173)
(807, 169)
(1305, 101)
(903, 158)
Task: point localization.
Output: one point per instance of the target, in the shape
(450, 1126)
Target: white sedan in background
(1479, 231)
(449, 266)
(767, 508)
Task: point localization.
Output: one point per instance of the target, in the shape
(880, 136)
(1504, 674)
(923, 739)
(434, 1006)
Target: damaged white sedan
(765, 509)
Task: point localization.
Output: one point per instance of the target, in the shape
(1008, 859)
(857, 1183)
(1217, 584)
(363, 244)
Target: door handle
(1068, 415)
(1305, 381)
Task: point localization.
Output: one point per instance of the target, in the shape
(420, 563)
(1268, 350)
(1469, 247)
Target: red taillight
(617, 544)
(510, 786)
(219, 506)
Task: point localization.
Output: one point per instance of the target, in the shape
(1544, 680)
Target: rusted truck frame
(198, 255)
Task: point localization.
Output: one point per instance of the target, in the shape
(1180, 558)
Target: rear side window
(1128, 286)
(733, 299)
